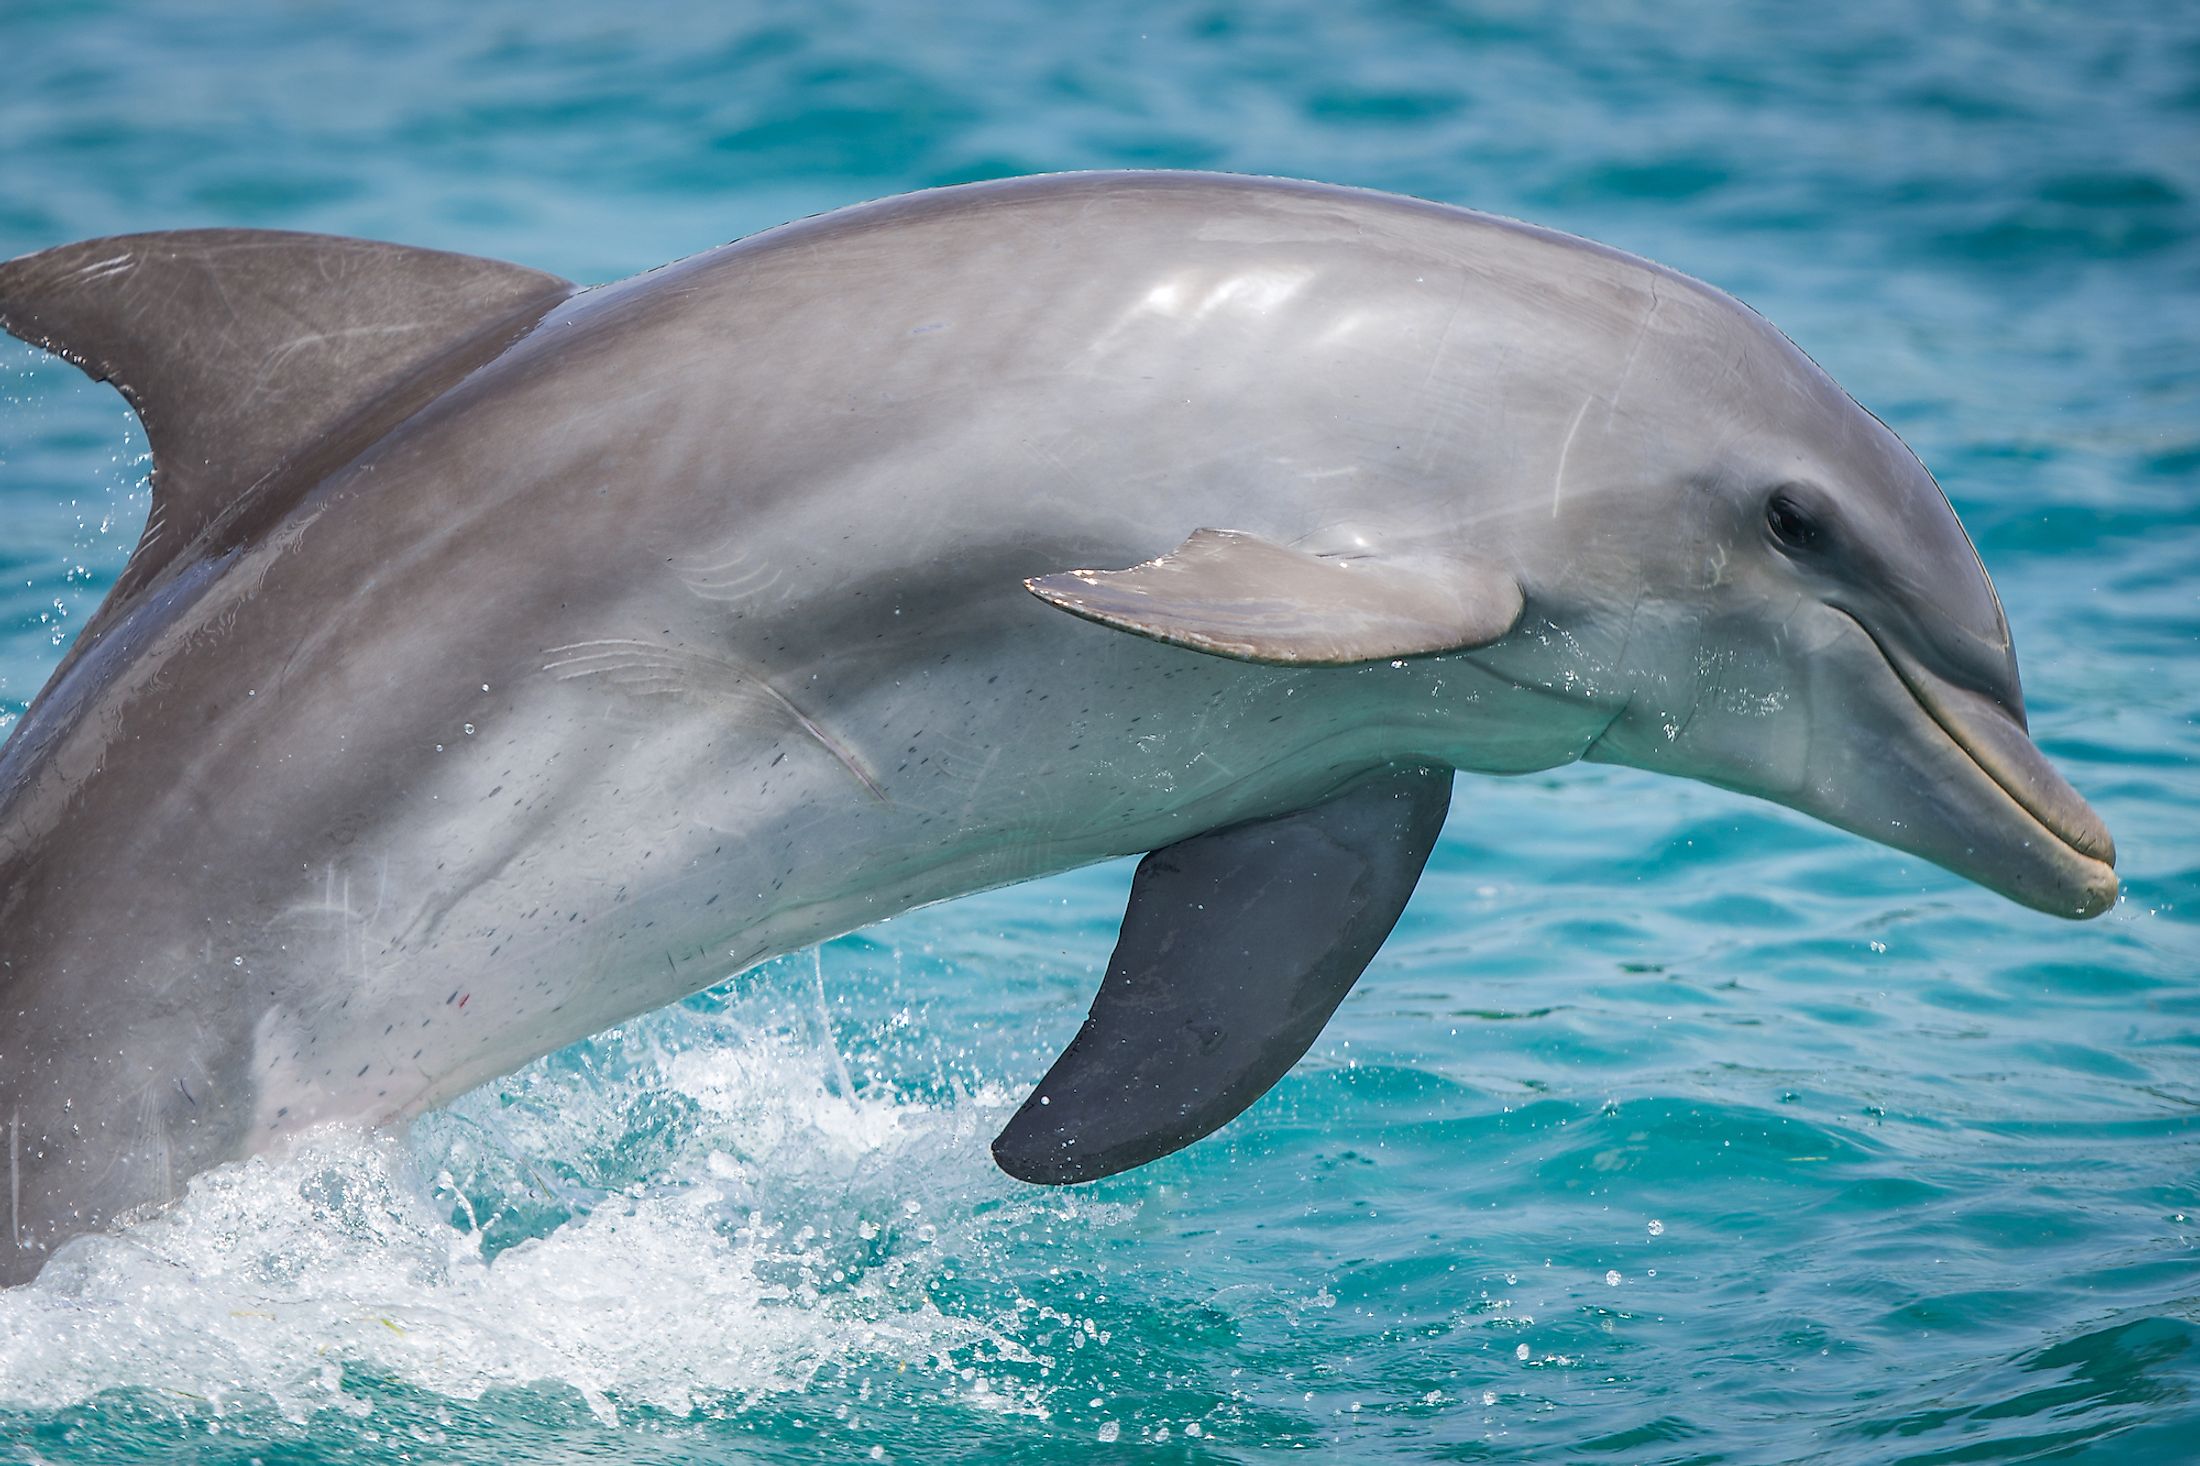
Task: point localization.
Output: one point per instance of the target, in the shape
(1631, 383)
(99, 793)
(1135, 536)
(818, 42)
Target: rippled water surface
(1669, 1126)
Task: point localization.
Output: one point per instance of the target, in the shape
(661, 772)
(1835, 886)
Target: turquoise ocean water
(1669, 1127)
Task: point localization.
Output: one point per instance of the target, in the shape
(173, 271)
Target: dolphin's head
(1787, 606)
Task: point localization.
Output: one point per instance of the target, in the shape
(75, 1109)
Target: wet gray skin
(506, 660)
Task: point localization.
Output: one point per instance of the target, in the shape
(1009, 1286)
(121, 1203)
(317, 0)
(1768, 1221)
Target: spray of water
(689, 1215)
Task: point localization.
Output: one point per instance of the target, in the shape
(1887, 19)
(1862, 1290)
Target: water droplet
(1611, 1279)
(1110, 1430)
(1657, 1228)
(1520, 1351)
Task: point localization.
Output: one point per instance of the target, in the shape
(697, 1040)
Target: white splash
(793, 1225)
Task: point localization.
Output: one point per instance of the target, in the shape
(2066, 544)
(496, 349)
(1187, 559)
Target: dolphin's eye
(1794, 529)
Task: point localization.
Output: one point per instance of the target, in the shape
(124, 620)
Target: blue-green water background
(1669, 1126)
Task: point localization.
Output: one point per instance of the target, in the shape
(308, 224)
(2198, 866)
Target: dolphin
(504, 659)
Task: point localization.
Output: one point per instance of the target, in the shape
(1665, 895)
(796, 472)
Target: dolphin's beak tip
(2099, 894)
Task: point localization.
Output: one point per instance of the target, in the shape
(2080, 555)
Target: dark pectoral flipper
(1237, 947)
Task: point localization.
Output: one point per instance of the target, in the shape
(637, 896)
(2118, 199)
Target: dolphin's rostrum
(503, 659)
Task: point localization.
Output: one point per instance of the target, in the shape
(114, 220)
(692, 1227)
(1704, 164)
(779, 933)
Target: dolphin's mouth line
(2026, 800)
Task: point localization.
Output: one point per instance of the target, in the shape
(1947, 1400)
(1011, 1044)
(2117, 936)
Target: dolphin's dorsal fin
(238, 348)
(1237, 947)
(1239, 596)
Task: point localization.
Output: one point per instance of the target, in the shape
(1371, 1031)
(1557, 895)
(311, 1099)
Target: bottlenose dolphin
(504, 659)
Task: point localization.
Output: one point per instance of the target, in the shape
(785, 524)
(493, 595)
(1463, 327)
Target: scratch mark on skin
(653, 671)
(1436, 358)
(730, 574)
(153, 1138)
(1558, 477)
(155, 523)
(15, 1177)
(1715, 567)
(1642, 329)
(278, 360)
(101, 269)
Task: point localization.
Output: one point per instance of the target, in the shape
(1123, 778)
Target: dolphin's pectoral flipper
(1237, 595)
(240, 348)
(1237, 946)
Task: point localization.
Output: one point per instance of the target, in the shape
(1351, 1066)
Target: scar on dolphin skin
(1558, 475)
(647, 670)
(153, 1139)
(731, 574)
